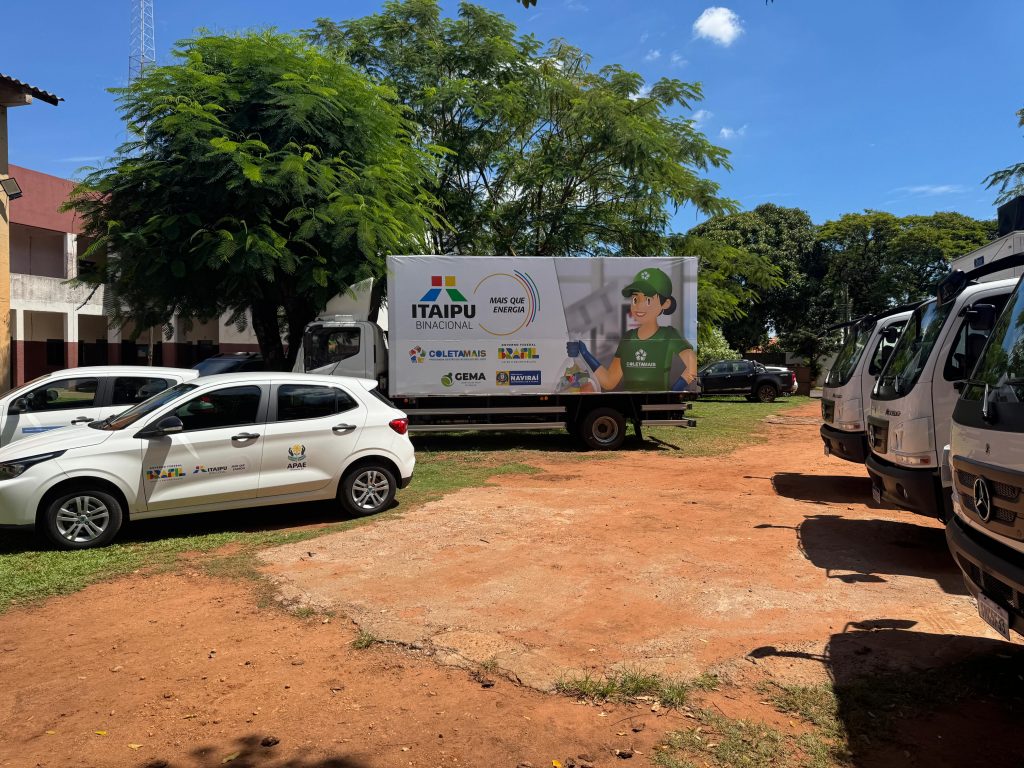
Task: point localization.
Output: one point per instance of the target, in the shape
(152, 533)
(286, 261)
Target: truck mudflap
(916, 490)
(989, 569)
(852, 446)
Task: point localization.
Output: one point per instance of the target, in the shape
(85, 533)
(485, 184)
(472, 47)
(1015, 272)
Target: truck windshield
(912, 351)
(324, 346)
(849, 355)
(1001, 366)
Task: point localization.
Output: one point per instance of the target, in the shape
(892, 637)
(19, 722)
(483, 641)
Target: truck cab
(912, 400)
(340, 345)
(848, 384)
(986, 459)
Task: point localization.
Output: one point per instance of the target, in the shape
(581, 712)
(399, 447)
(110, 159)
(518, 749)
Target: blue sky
(828, 105)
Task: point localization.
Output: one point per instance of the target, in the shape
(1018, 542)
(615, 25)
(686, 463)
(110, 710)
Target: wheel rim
(605, 430)
(82, 519)
(766, 394)
(370, 489)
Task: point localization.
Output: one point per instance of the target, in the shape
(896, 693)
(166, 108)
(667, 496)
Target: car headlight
(11, 469)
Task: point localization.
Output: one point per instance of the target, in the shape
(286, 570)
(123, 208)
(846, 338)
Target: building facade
(55, 324)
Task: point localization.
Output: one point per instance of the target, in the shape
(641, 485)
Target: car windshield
(849, 355)
(143, 409)
(911, 353)
(213, 365)
(1001, 366)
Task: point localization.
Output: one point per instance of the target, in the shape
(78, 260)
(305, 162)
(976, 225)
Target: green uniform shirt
(647, 363)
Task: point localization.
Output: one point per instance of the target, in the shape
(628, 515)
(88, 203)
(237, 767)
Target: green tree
(544, 156)
(1009, 180)
(261, 177)
(780, 237)
(715, 347)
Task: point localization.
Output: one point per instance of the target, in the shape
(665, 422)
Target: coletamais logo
(417, 355)
(420, 355)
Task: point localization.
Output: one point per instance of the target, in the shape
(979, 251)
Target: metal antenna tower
(142, 51)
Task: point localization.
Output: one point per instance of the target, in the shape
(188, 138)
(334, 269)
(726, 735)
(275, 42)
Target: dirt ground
(767, 564)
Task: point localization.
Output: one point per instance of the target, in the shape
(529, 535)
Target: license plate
(876, 494)
(994, 615)
(828, 450)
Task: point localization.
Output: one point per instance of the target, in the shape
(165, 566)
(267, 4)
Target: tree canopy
(1009, 180)
(261, 175)
(544, 155)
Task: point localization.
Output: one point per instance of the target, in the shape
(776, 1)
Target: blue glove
(680, 385)
(579, 349)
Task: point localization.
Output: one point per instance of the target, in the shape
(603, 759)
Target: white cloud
(643, 37)
(572, 5)
(732, 133)
(701, 116)
(643, 93)
(719, 25)
(931, 190)
(677, 59)
(653, 55)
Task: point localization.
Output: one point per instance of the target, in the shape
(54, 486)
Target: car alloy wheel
(370, 489)
(82, 519)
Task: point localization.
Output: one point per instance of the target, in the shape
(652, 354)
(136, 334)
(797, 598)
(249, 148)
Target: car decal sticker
(297, 457)
(36, 430)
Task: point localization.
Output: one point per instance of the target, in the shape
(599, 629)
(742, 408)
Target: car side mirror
(168, 425)
(981, 317)
(19, 406)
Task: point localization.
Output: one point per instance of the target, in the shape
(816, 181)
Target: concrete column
(17, 317)
(71, 339)
(113, 345)
(70, 255)
(5, 268)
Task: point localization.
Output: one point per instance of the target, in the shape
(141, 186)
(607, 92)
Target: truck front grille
(878, 436)
(828, 410)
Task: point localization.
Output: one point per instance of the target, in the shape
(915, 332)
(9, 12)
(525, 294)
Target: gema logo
(462, 377)
(432, 314)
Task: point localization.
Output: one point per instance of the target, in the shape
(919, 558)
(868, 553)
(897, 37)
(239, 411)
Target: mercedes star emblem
(982, 499)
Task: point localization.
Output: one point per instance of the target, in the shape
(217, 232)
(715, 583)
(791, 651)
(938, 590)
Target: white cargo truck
(526, 343)
(847, 389)
(912, 401)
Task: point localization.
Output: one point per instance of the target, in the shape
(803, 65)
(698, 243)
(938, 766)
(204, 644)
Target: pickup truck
(746, 377)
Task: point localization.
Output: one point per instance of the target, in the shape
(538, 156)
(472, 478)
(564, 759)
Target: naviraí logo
(431, 314)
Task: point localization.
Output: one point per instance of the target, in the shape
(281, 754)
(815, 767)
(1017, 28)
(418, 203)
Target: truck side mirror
(891, 334)
(960, 386)
(981, 317)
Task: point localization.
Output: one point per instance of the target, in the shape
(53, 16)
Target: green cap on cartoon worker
(650, 281)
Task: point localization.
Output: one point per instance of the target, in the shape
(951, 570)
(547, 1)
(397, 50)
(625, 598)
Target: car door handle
(244, 436)
(81, 420)
(339, 429)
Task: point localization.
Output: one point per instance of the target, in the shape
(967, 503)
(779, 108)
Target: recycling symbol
(641, 355)
(645, 275)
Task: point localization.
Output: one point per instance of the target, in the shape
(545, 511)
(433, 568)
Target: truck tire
(81, 519)
(603, 429)
(766, 393)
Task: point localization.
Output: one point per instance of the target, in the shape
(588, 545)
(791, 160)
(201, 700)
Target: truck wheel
(603, 429)
(368, 489)
(766, 393)
(82, 519)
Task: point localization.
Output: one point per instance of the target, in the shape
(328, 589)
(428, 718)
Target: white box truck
(912, 401)
(526, 343)
(848, 385)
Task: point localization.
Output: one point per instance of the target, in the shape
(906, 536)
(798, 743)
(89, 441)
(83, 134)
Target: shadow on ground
(249, 752)
(913, 698)
(823, 489)
(555, 441)
(854, 550)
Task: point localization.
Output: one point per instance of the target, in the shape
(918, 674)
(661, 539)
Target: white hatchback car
(219, 442)
(77, 396)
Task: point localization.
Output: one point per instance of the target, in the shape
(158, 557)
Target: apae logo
(297, 457)
(455, 315)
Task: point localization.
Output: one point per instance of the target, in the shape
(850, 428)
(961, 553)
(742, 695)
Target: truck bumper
(989, 568)
(852, 446)
(916, 490)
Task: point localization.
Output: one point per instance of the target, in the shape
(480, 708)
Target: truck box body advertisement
(500, 325)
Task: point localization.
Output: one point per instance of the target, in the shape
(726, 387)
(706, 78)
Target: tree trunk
(299, 313)
(268, 333)
(378, 292)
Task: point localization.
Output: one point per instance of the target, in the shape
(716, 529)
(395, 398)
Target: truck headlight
(850, 426)
(913, 459)
(12, 469)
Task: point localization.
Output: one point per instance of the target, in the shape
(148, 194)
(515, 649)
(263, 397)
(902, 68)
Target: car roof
(283, 376)
(123, 370)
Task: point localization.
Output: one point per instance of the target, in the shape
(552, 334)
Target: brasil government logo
(519, 352)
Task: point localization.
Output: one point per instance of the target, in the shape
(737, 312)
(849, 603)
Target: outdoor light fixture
(11, 188)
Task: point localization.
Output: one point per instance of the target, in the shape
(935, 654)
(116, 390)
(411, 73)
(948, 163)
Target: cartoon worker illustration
(643, 359)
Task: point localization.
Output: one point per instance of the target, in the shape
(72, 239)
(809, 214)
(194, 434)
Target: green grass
(632, 683)
(364, 640)
(723, 425)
